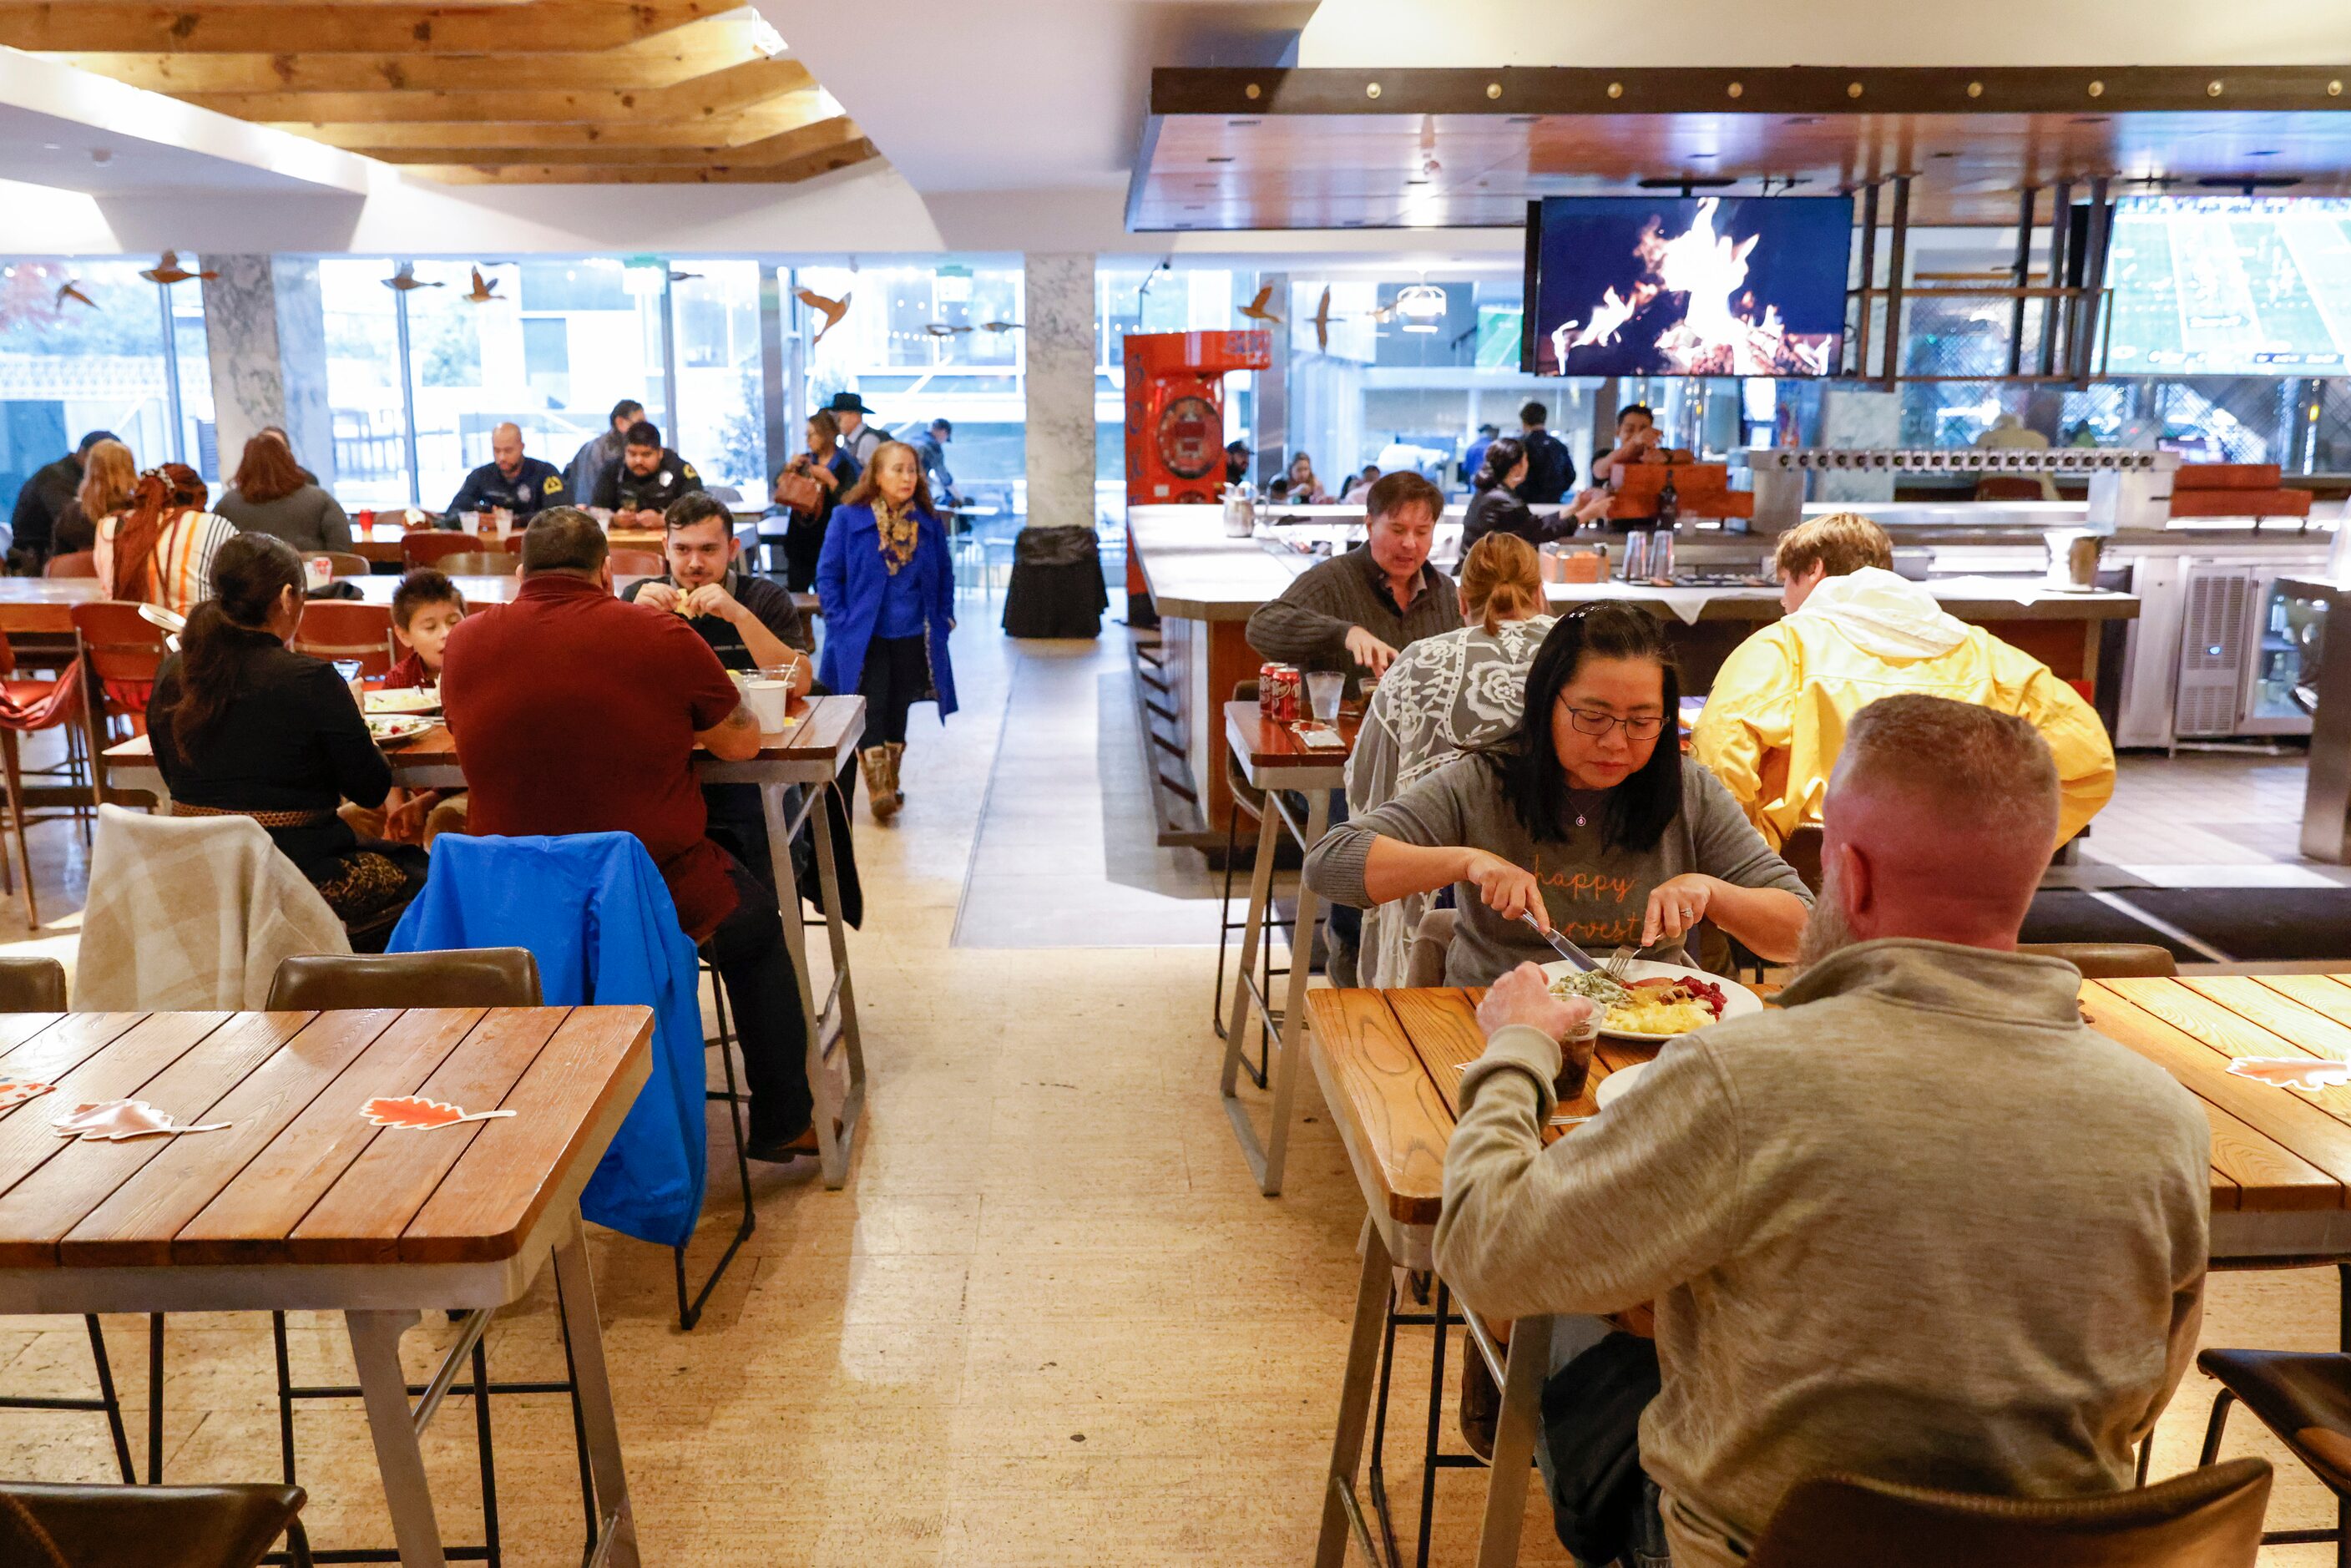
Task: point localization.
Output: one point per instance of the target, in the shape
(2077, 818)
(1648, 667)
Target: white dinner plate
(386, 726)
(1616, 1082)
(405, 699)
(1737, 1001)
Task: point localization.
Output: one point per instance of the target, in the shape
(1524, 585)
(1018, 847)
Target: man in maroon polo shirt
(576, 713)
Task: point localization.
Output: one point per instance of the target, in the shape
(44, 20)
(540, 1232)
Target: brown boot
(895, 751)
(874, 763)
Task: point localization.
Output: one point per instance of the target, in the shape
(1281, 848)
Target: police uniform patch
(552, 484)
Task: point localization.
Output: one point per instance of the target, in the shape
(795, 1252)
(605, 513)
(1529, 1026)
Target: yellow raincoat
(1774, 722)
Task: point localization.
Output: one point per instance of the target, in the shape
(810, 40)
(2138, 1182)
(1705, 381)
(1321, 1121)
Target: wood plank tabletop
(300, 1174)
(822, 728)
(1273, 744)
(2274, 1150)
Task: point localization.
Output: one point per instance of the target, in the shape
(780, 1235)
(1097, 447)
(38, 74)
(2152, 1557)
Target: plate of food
(405, 699)
(1657, 1001)
(1604, 1092)
(385, 727)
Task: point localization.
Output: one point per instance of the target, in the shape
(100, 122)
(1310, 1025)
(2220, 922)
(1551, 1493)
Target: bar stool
(1250, 802)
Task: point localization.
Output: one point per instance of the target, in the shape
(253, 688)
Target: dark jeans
(802, 544)
(749, 952)
(897, 676)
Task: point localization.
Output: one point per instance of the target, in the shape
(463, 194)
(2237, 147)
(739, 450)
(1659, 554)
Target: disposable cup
(770, 702)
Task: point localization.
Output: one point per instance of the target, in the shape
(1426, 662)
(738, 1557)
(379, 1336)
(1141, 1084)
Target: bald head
(506, 447)
(1940, 820)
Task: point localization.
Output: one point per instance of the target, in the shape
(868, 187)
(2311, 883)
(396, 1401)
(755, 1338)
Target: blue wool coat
(593, 910)
(850, 579)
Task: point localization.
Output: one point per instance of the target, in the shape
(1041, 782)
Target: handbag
(799, 491)
(1591, 1428)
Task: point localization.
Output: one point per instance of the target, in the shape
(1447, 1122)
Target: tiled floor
(1049, 1321)
(2204, 819)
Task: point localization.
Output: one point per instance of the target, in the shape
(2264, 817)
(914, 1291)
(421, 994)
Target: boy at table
(425, 607)
(578, 713)
(1916, 1223)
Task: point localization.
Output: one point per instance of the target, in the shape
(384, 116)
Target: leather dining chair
(32, 985)
(120, 650)
(149, 1527)
(73, 563)
(638, 563)
(342, 563)
(333, 629)
(2306, 1401)
(463, 978)
(2209, 1518)
(425, 546)
(478, 563)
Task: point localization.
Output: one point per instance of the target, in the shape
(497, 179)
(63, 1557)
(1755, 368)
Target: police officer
(638, 486)
(510, 481)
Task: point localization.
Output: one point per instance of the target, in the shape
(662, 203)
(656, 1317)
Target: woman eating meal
(1587, 819)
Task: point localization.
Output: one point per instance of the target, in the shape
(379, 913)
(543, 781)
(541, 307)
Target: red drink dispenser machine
(1176, 418)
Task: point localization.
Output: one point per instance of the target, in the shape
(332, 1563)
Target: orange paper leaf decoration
(14, 1095)
(2293, 1071)
(112, 1121)
(421, 1115)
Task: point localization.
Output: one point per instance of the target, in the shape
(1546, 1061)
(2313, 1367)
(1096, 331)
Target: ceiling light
(1420, 307)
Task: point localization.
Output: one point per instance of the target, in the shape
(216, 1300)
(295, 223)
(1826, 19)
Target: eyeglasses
(1588, 721)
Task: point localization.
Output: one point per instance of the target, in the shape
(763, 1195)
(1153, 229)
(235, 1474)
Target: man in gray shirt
(1918, 1223)
(1354, 610)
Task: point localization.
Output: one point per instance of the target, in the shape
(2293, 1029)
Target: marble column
(266, 331)
(1059, 313)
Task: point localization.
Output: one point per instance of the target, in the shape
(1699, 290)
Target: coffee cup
(770, 702)
(317, 572)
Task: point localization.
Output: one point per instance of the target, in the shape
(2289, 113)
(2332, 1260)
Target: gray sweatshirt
(1308, 625)
(1597, 896)
(307, 519)
(1918, 1223)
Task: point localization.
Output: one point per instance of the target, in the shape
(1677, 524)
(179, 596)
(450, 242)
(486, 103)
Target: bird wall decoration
(405, 279)
(1323, 319)
(943, 329)
(485, 289)
(1254, 309)
(1002, 326)
(683, 277)
(168, 270)
(833, 310)
(72, 289)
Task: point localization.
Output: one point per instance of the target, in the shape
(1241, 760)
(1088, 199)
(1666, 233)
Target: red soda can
(1269, 691)
(1293, 690)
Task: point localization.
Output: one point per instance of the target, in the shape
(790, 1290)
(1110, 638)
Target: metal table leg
(1523, 1370)
(1287, 1040)
(841, 1010)
(1252, 932)
(585, 1336)
(375, 1347)
(1293, 1017)
(1341, 1514)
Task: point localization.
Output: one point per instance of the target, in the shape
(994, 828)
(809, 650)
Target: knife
(1563, 947)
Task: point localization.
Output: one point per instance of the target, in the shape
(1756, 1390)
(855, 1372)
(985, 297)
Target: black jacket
(1497, 511)
(539, 484)
(292, 740)
(39, 504)
(617, 487)
(1550, 471)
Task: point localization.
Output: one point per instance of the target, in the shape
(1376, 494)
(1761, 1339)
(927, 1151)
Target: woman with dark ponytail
(244, 727)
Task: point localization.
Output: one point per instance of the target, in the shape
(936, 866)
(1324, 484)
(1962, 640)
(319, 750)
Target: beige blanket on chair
(189, 913)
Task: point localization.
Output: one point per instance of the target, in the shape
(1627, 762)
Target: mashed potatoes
(1660, 1006)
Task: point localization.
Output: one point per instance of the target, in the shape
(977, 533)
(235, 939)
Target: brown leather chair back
(2210, 1517)
(32, 985)
(1802, 853)
(638, 563)
(151, 1527)
(73, 563)
(332, 629)
(478, 563)
(2109, 960)
(342, 563)
(460, 978)
(427, 546)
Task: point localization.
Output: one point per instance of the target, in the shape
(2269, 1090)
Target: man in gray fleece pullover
(1918, 1222)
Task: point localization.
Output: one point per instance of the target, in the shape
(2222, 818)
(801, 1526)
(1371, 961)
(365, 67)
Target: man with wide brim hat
(1237, 462)
(857, 438)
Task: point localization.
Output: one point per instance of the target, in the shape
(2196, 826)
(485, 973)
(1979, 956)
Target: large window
(100, 361)
(365, 394)
(721, 426)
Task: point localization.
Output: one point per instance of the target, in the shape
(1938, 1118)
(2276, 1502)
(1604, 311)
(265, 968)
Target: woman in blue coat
(887, 589)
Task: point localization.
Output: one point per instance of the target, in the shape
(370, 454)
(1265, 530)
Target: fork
(1620, 962)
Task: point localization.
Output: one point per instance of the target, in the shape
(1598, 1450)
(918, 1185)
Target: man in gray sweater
(1918, 1222)
(1354, 610)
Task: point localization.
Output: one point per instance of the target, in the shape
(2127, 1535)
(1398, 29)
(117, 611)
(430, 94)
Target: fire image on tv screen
(1705, 286)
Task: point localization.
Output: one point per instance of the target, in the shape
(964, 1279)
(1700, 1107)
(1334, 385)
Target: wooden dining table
(794, 767)
(43, 606)
(1389, 1063)
(299, 1202)
(1277, 761)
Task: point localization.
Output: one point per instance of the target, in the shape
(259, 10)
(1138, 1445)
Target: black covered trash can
(1057, 584)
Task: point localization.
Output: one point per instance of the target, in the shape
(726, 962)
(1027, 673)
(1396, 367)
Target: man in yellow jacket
(1853, 633)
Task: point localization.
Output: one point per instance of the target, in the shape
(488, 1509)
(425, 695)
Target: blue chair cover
(594, 912)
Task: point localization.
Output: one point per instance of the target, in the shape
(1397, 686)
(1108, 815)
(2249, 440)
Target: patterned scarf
(900, 531)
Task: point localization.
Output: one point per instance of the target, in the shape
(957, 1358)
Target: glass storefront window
(720, 421)
(364, 397)
(67, 367)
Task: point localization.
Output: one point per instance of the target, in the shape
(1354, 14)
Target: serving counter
(1205, 585)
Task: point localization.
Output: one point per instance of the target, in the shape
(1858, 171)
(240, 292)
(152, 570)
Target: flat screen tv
(2229, 285)
(1688, 286)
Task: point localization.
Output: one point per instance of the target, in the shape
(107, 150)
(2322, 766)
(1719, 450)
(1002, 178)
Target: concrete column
(1060, 312)
(266, 331)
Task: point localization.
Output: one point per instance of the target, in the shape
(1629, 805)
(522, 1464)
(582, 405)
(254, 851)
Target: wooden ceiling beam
(541, 27)
(845, 156)
(443, 142)
(681, 54)
(703, 97)
(827, 134)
